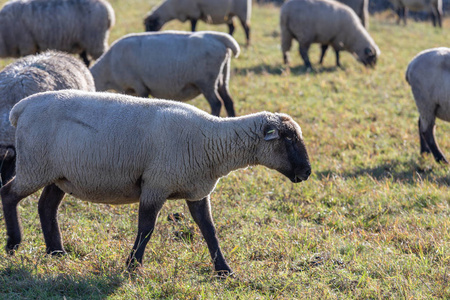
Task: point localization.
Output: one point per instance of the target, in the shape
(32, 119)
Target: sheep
(210, 11)
(428, 74)
(433, 7)
(135, 150)
(32, 74)
(171, 65)
(328, 23)
(74, 26)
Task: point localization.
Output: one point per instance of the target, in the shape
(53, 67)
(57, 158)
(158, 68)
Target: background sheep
(74, 26)
(210, 11)
(433, 7)
(328, 23)
(135, 150)
(429, 76)
(33, 74)
(361, 8)
(170, 65)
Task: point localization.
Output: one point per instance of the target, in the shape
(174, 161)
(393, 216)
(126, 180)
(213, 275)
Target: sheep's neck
(232, 146)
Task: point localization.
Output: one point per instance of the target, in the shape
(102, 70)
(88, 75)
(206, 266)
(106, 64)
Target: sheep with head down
(135, 150)
(210, 11)
(328, 23)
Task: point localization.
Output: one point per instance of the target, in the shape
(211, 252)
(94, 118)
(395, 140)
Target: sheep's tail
(16, 111)
(407, 74)
(229, 42)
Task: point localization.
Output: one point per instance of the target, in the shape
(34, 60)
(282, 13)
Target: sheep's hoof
(223, 274)
(11, 250)
(133, 265)
(57, 253)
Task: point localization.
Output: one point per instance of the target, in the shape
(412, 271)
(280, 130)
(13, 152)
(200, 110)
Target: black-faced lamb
(429, 77)
(210, 11)
(172, 65)
(432, 7)
(328, 23)
(33, 74)
(73, 26)
(118, 149)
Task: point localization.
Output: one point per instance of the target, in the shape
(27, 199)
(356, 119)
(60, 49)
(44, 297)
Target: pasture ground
(371, 222)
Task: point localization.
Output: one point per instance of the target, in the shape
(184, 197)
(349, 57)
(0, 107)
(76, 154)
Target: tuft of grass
(371, 222)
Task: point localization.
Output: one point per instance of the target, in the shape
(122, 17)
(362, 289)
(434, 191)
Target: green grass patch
(371, 222)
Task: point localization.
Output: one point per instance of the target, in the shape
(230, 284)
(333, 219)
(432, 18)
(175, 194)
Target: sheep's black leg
(322, 54)
(338, 63)
(48, 205)
(247, 30)
(224, 92)
(193, 24)
(433, 19)
(304, 54)
(8, 169)
(231, 27)
(148, 214)
(429, 137)
(211, 94)
(10, 200)
(423, 144)
(201, 212)
(85, 59)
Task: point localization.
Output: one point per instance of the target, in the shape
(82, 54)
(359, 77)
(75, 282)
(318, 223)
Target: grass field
(371, 222)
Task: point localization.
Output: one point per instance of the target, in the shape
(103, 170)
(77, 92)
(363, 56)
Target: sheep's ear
(271, 134)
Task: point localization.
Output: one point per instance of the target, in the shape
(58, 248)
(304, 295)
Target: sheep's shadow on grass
(407, 172)
(22, 282)
(280, 69)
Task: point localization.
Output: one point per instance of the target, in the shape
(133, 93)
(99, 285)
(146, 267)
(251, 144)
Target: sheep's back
(69, 26)
(34, 74)
(124, 138)
(317, 21)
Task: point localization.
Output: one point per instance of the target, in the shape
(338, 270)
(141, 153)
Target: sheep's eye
(289, 139)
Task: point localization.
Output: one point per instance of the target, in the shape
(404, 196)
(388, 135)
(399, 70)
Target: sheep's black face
(369, 59)
(152, 23)
(289, 155)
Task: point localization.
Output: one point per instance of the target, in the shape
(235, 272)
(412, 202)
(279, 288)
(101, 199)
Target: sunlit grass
(371, 222)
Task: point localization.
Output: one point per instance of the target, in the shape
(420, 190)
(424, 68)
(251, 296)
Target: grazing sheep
(170, 65)
(327, 23)
(135, 150)
(210, 11)
(429, 76)
(74, 26)
(30, 75)
(433, 7)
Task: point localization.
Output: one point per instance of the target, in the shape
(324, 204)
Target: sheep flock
(95, 134)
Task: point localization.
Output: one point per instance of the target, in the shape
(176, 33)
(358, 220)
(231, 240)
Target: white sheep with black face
(118, 149)
(325, 22)
(73, 26)
(174, 65)
(29, 75)
(210, 11)
(428, 74)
